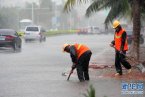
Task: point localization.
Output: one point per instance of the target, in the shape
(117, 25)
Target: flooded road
(36, 70)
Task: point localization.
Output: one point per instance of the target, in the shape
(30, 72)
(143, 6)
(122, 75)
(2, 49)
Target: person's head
(116, 25)
(66, 48)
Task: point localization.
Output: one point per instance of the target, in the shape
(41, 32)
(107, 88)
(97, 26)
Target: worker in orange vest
(121, 46)
(80, 55)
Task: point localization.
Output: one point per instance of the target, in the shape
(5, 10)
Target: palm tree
(118, 9)
(136, 28)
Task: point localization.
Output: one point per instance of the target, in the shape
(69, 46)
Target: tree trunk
(136, 29)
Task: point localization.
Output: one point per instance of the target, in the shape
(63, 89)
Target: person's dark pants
(83, 66)
(120, 59)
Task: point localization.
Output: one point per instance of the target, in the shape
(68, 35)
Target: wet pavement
(37, 70)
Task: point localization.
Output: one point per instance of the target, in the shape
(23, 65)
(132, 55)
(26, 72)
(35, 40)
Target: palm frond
(70, 4)
(98, 5)
(92, 8)
(117, 8)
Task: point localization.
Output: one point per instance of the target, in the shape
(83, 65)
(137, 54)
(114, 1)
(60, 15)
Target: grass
(59, 32)
(53, 33)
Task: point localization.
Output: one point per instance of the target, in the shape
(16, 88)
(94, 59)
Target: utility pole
(32, 13)
(70, 20)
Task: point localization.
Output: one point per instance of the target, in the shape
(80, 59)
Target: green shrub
(90, 92)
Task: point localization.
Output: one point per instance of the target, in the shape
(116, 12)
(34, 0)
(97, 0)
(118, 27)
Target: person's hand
(111, 45)
(121, 52)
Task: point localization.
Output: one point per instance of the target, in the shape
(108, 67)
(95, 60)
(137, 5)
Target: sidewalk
(104, 65)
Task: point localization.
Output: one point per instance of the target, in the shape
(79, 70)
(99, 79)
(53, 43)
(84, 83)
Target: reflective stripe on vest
(80, 49)
(118, 40)
(79, 46)
(118, 36)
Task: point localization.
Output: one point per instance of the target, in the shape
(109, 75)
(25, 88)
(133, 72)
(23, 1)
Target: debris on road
(100, 66)
(103, 64)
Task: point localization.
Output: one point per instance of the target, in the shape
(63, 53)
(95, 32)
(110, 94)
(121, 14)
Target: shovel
(65, 74)
(70, 74)
(138, 64)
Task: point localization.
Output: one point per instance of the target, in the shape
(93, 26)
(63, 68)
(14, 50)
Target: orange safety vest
(80, 49)
(118, 38)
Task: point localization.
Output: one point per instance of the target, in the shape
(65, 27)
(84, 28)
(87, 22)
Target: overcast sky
(21, 2)
(81, 8)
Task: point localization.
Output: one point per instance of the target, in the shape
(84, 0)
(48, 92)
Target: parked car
(130, 37)
(82, 31)
(10, 38)
(93, 30)
(89, 30)
(35, 33)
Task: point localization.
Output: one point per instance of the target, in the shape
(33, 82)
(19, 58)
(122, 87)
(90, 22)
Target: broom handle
(70, 74)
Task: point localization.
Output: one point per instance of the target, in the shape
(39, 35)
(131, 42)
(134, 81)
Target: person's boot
(129, 71)
(117, 74)
(86, 76)
(81, 80)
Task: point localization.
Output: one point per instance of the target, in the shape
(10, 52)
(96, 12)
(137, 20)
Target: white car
(34, 33)
(93, 30)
